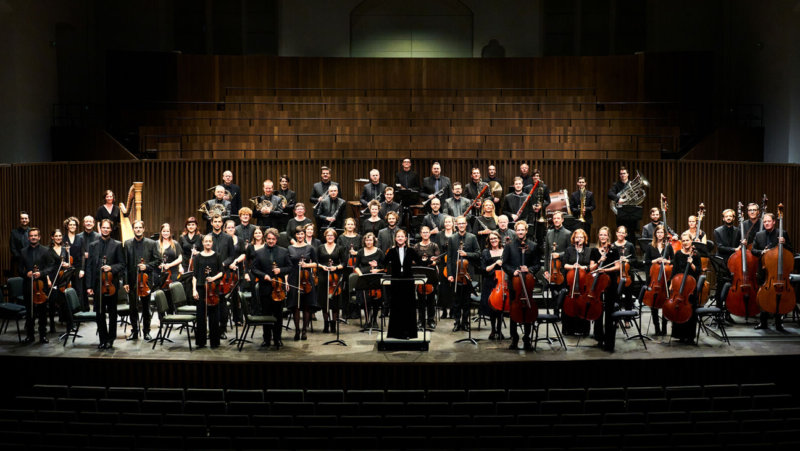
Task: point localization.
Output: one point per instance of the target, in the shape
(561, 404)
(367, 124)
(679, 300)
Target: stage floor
(362, 347)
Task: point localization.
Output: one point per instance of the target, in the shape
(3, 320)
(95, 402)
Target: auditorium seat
(283, 395)
(244, 395)
(164, 394)
(136, 393)
(405, 395)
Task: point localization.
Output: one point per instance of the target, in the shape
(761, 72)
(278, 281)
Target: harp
(127, 216)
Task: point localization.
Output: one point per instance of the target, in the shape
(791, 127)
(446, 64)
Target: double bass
(776, 295)
(523, 308)
(678, 308)
(743, 265)
(675, 242)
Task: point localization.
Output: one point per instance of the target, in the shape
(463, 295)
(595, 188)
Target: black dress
(368, 226)
(114, 216)
(571, 325)
(362, 262)
(335, 258)
(686, 331)
(308, 301)
(489, 279)
(483, 223)
(403, 318)
(445, 290)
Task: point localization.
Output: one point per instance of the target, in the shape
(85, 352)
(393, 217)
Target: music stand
(431, 275)
(469, 324)
(630, 214)
(365, 283)
(418, 279)
(644, 244)
(406, 198)
(336, 323)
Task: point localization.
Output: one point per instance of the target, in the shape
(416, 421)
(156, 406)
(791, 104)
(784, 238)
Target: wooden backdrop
(173, 190)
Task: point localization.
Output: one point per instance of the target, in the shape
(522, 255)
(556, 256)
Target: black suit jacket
(150, 253)
(589, 204)
(262, 265)
(115, 257)
(372, 191)
(393, 266)
(408, 179)
(429, 187)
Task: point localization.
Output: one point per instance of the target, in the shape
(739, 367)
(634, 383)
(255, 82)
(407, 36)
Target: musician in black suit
(462, 246)
(588, 204)
(399, 262)
(19, 239)
(726, 237)
(765, 240)
(219, 199)
(270, 214)
(474, 188)
(513, 202)
(520, 255)
(110, 250)
(141, 257)
(271, 261)
(613, 194)
(235, 197)
(526, 176)
(372, 190)
(223, 246)
(388, 203)
(245, 230)
(87, 237)
(437, 185)
(386, 235)
(753, 224)
(540, 201)
(456, 206)
(291, 201)
(406, 178)
(331, 211)
(35, 256)
(492, 177)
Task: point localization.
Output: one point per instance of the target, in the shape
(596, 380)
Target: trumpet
(217, 209)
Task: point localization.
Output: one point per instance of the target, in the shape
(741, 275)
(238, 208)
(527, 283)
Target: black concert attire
(236, 199)
(434, 221)
(445, 290)
(214, 264)
(407, 179)
(187, 243)
(291, 201)
(167, 256)
(387, 207)
(571, 325)
(372, 191)
(87, 238)
(751, 229)
(104, 305)
(506, 235)
(386, 237)
(604, 328)
(224, 247)
(727, 239)
(561, 238)
(42, 258)
(763, 241)
(74, 249)
(401, 294)
(489, 283)
(589, 206)
(628, 296)
(210, 205)
(331, 208)
(294, 223)
(319, 190)
(368, 226)
(18, 240)
(630, 226)
(275, 215)
(541, 196)
(499, 181)
(512, 203)
(362, 262)
(348, 243)
(57, 300)
(456, 207)
(432, 185)
(113, 215)
(239, 248)
(426, 303)
(651, 254)
(472, 189)
(330, 301)
(527, 182)
(245, 233)
(484, 223)
(263, 262)
(515, 256)
(469, 243)
(135, 251)
(686, 331)
(308, 301)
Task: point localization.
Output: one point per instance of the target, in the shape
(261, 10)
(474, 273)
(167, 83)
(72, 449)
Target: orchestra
(482, 244)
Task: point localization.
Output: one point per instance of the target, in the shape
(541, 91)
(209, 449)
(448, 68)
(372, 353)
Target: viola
(677, 308)
(743, 265)
(589, 305)
(62, 272)
(212, 290)
(523, 306)
(427, 288)
(108, 287)
(166, 276)
(142, 282)
(776, 295)
(556, 268)
(658, 292)
(351, 260)
(39, 295)
(278, 286)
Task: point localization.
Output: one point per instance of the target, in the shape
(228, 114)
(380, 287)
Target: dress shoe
(493, 336)
(222, 336)
(514, 345)
(500, 335)
(278, 344)
(303, 335)
(526, 345)
(326, 328)
(110, 345)
(760, 326)
(43, 339)
(147, 337)
(780, 328)
(28, 339)
(297, 336)
(200, 346)
(456, 327)
(101, 346)
(431, 324)
(134, 336)
(265, 343)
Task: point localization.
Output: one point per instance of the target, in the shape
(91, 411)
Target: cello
(677, 308)
(523, 307)
(658, 291)
(776, 295)
(589, 305)
(674, 242)
(578, 282)
(743, 265)
(498, 298)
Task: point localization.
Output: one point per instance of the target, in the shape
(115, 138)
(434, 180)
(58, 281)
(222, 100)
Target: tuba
(633, 193)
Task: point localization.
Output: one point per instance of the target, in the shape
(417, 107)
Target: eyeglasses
(752, 209)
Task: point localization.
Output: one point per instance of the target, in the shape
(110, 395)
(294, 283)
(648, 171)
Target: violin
(556, 266)
(212, 290)
(108, 288)
(523, 308)
(334, 287)
(351, 260)
(677, 308)
(743, 265)
(38, 294)
(142, 282)
(658, 292)
(674, 242)
(624, 269)
(61, 273)
(462, 268)
(167, 279)
(229, 280)
(578, 281)
(278, 287)
(776, 295)
(305, 278)
(498, 298)
(427, 288)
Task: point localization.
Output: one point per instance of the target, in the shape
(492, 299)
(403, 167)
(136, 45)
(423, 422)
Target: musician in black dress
(303, 262)
(190, 241)
(625, 250)
(520, 256)
(171, 257)
(300, 220)
(764, 240)
(581, 203)
(208, 266)
(659, 251)
(462, 248)
(406, 178)
(331, 211)
(685, 332)
(400, 260)
(373, 223)
(141, 257)
(370, 260)
(73, 242)
(291, 201)
(445, 290)
(269, 262)
(350, 241)
(59, 256)
(111, 212)
(35, 263)
(105, 255)
(606, 259)
(332, 260)
(429, 253)
(486, 223)
(576, 256)
(491, 261)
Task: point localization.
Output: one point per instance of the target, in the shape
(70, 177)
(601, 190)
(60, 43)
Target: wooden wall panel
(173, 189)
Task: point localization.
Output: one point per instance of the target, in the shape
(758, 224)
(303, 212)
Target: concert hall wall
(173, 190)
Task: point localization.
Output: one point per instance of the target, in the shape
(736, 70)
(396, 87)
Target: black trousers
(107, 331)
(40, 313)
(461, 303)
(426, 306)
(526, 331)
(136, 302)
(207, 314)
(270, 307)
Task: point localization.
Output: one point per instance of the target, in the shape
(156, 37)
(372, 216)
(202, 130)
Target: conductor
(400, 260)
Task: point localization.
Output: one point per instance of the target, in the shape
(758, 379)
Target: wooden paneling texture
(174, 189)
